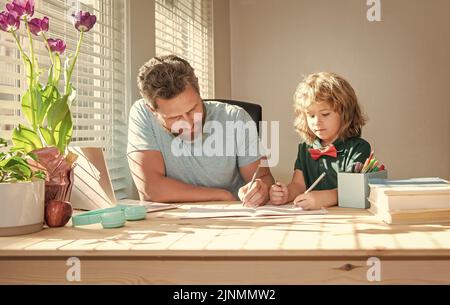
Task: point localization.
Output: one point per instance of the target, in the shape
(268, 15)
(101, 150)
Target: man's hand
(310, 201)
(256, 196)
(279, 193)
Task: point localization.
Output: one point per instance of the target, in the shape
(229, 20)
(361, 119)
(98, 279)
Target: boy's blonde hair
(335, 90)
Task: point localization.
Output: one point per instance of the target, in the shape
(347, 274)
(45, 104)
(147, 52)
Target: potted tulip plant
(22, 189)
(46, 106)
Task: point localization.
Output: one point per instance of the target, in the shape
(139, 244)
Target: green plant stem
(19, 45)
(52, 59)
(30, 78)
(69, 74)
(33, 59)
(24, 56)
(50, 53)
(35, 75)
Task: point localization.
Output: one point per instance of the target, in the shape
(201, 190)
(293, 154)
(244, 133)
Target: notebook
(411, 182)
(238, 211)
(410, 201)
(92, 187)
(410, 194)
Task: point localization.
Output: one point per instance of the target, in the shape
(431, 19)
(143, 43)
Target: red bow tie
(330, 150)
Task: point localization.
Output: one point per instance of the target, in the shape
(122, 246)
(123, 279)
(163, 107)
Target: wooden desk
(165, 249)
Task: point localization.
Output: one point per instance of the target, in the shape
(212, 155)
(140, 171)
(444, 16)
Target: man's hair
(338, 93)
(165, 77)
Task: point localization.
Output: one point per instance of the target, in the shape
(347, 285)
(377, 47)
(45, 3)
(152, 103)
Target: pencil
(367, 162)
(253, 178)
(315, 183)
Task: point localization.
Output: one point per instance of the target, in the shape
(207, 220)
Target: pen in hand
(253, 180)
(313, 185)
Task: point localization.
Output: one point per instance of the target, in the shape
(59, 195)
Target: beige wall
(142, 38)
(399, 68)
(142, 48)
(222, 65)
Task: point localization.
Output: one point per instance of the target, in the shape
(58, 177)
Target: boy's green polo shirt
(349, 152)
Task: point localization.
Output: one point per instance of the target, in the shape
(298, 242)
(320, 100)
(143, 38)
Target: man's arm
(153, 185)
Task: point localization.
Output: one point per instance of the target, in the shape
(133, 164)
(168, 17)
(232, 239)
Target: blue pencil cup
(353, 188)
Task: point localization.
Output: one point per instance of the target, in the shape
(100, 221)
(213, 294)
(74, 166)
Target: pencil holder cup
(353, 188)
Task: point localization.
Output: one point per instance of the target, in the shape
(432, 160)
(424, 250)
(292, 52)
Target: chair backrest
(254, 110)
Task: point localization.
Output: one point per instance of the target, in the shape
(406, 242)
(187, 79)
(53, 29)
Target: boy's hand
(256, 196)
(279, 193)
(310, 201)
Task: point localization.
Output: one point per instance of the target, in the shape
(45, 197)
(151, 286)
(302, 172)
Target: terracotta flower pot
(59, 180)
(61, 190)
(58, 209)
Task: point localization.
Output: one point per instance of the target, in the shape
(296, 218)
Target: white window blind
(184, 28)
(100, 109)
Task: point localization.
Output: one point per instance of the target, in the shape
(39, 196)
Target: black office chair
(254, 110)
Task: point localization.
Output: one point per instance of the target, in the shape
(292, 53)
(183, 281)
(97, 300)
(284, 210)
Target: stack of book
(410, 201)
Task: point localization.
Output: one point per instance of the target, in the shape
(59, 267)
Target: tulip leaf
(27, 107)
(49, 96)
(57, 112)
(50, 76)
(48, 136)
(28, 70)
(31, 101)
(26, 139)
(56, 69)
(72, 94)
(66, 73)
(37, 72)
(51, 92)
(36, 102)
(63, 133)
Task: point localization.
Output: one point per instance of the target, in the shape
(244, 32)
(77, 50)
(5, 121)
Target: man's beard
(193, 133)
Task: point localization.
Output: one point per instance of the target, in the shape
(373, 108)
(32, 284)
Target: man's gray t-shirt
(229, 141)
